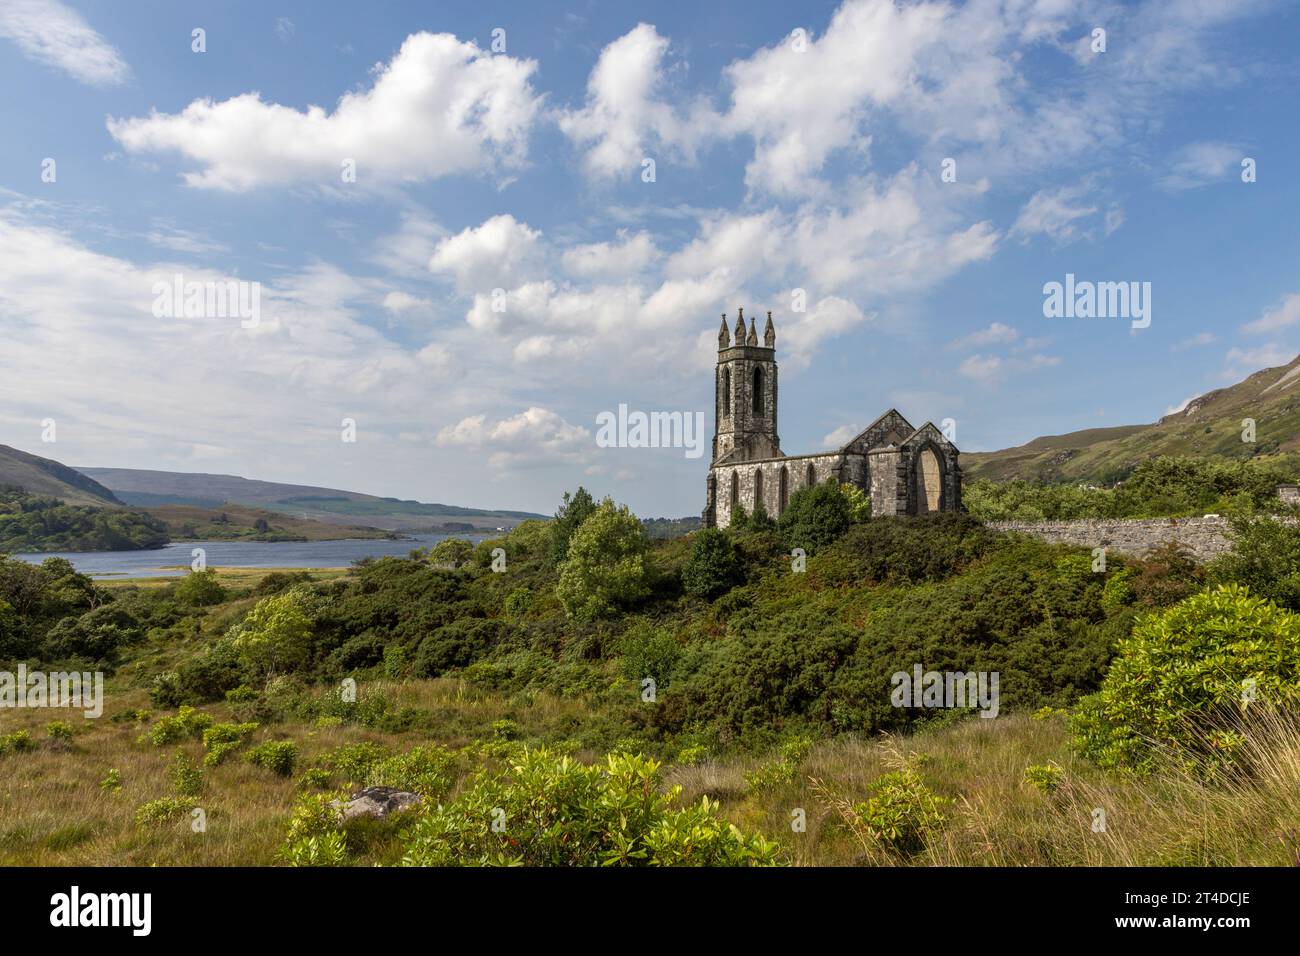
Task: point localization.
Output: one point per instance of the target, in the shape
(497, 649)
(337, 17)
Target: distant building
(903, 470)
(1290, 495)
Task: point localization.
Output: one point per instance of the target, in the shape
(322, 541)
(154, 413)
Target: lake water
(174, 559)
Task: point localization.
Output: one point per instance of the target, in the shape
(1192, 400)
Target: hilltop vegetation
(1157, 488)
(574, 666)
(1258, 418)
(31, 523)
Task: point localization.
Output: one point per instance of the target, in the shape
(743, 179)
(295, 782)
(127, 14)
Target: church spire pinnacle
(752, 339)
(769, 333)
(740, 327)
(724, 334)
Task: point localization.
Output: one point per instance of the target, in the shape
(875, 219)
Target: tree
(200, 589)
(816, 517)
(568, 518)
(712, 568)
(260, 525)
(605, 567)
(451, 551)
(276, 636)
(1265, 557)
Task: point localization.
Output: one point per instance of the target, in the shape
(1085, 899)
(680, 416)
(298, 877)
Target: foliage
(713, 567)
(276, 635)
(1044, 777)
(315, 837)
(200, 589)
(59, 731)
(553, 811)
(815, 517)
(574, 510)
(1184, 675)
(902, 812)
(20, 741)
(454, 552)
(1265, 557)
(648, 652)
(32, 523)
(188, 723)
(164, 810)
(605, 568)
(278, 756)
(186, 777)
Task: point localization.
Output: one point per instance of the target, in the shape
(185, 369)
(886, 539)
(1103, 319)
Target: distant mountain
(48, 478)
(1208, 426)
(147, 489)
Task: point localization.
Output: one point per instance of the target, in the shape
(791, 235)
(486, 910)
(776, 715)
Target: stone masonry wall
(1206, 537)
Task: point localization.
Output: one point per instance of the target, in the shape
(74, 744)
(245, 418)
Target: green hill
(1210, 426)
(48, 478)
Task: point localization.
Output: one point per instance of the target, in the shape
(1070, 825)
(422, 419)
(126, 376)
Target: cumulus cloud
(627, 256)
(1064, 215)
(997, 333)
(994, 369)
(496, 254)
(439, 107)
(625, 114)
(535, 437)
(53, 33)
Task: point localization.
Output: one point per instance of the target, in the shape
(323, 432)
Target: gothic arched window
(758, 488)
(812, 476)
(735, 488)
(783, 491)
(726, 393)
(757, 394)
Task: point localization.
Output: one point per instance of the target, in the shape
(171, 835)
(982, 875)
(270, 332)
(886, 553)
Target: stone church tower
(903, 470)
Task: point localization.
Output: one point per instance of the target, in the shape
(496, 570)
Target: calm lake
(174, 559)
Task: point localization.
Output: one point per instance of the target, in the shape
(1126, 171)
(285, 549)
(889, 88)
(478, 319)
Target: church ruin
(903, 470)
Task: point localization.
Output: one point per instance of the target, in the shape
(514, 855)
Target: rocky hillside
(47, 478)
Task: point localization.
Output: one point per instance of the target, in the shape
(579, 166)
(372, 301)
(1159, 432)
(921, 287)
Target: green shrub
(188, 723)
(278, 756)
(186, 777)
(200, 589)
(20, 741)
(815, 517)
(574, 510)
(552, 811)
(59, 731)
(164, 810)
(1265, 557)
(713, 567)
(648, 652)
(901, 813)
(453, 552)
(112, 781)
(1180, 680)
(427, 770)
(277, 633)
(1044, 777)
(315, 837)
(352, 763)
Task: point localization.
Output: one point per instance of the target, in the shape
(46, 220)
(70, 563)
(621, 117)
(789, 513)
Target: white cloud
(53, 33)
(1283, 315)
(496, 254)
(1055, 213)
(624, 115)
(627, 257)
(1192, 342)
(997, 333)
(536, 437)
(841, 436)
(439, 107)
(1199, 164)
(403, 303)
(1239, 363)
(993, 369)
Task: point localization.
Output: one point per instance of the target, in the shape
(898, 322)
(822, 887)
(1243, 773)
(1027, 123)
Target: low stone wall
(1206, 538)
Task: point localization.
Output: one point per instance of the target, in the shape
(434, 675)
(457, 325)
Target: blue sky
(782, 162)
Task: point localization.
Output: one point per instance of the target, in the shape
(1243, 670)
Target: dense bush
(815, 517)
(1265, 557)
(713, 567)
(1183, 677)
(200, 589)
(553, 811)
(31, 523)
(277, 633)
(904, 550)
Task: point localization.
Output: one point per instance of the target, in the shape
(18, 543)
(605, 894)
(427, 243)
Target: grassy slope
(50, 479)
(1211, 425)
(995, 818)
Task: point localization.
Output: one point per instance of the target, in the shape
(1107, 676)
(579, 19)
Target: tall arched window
(757, 394)
(783, 491)
(758, 488)
(735, 488)
(812, 476)
(726, 393)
